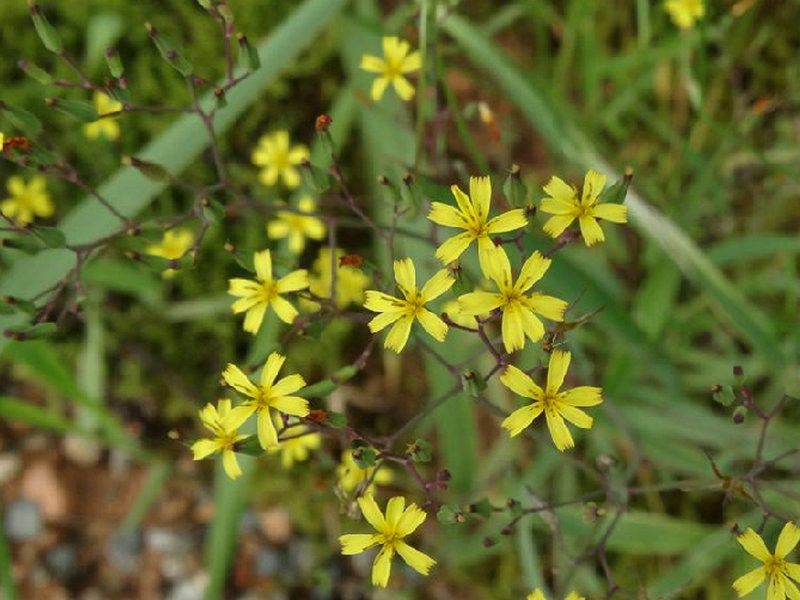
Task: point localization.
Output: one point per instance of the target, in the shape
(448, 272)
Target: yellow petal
(356, 543)
(787, 540)
(555, 206)
(777, 588)
(262, 261)
(412, 62)
(520, 383)
(294, 281)
(230, 464)
(557, 370)
(464, 203)
(382, 566)
(373, 64)
(203, 448)
(394, 510)
(480, 192)
(403, 87)
(557, 188)
(432, 324)
(254, 317)
(549, 307)
(754, 545)
(398, 334)
(378, 87)
(383, 320)
(234, 377)
(478, 303)
(271, 368)
(794, 570)
(267, 436)
(575, 416)
(536, 595)
(444, 214)
(583, 396)
(288, 385)
(616, 213)
(531, 325)
(243, 287)
(285, 311)
(405, 275)
(235, 418)
(555, 226)
(371, 512)
(559, 432)
(380, 302)
(419, 561)
(791, 590)
(436, 285)
(394, 49)
(291, 178)
(533, 269)
(291, 405)
(593, 184)
(591, 231)
(453, 247)
(412, 518)
(574, 596)
(508, 221)
(521, 418)
(512, 329)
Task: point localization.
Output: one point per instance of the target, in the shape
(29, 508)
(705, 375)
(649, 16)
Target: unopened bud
(47, 33)
(322, 123)
(34, 72)
(739, 413)
(114, 62)
(248, 53)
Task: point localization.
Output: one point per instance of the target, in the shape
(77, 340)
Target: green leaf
(13, 409)
(51, 236)
(102, 31)
(81, 111)
(420, 451)
(32, 332)
(23, 120)
(364, 457)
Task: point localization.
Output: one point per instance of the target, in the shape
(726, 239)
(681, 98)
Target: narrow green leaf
(13, 409)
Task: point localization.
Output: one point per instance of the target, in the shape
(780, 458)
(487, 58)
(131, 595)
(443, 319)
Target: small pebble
(268, 562)
(123, 551)
(23, 520)
(9, 466)
(63, 561)
(82, 451)
(189, 589)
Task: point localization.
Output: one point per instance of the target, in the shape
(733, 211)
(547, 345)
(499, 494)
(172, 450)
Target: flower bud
(114, 62)
(47, 33)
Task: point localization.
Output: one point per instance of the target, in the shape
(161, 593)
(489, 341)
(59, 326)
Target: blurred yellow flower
(174, 244)
(297, 226)
(537, 594)
(401, 312)
(555, 405)
(519, 309)
(107, 127)
(564, 204)
(472, 215)
(256, 296)
(279, 159)
(396, 525)
(223, 422)
(268, 395)
(775, 569)
(301, 440)
(26, 200)
(351, 475)
(396, 63)
(350, 281)
(685, 13)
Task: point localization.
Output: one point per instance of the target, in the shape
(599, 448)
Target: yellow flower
(296, 448)
(472, 215)
(297, 226)
(350, 282)
(2, 141)
(268, 394)
(403, 311)
(27, 200)
(684, 13)
(564, 204)
(519, 309)
(779, 572)
(174, 244)
(223, 422)
(351, 475)
(395, 63)
(392, 528)
(538, 595)
(107, 126)
(556, 405)
(256, 296)
(278, 159)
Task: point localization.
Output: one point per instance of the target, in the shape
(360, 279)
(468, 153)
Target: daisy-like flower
(256, 296)
(223, 422)
(537, 594)
(268, 395)
(300, 441)
(278, 159)
(350, 281)
(472, 215)
(351, 475)
(563, 202)
(396, 63)
(107, 127)
(685, 13)
(555, 405)
(519, 308)
(297, 226)
(391, 529)
(26, 200)
(776, 568)
(174, 244)
(401, 312)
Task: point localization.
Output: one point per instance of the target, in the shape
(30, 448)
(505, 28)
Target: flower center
(414, 304)
(775, 567)
(268, 291)
(280, 160)
(392, 68)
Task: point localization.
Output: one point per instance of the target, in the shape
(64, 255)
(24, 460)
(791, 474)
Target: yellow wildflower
(107, 127)
(297, 226)
(396, 63)
(537, 594)
(268, 394)
(174, 244)
(392, 528)
(401, 312)
(296, 448)
(684, 13)
(223, 422)
(472, 215)
(350, 281)
(256, 296)
(2, 141)
(564, 204)
(279, 159)
(776, 569)
(556, 405)
(26, 200)
(519, 309)
(351, 475)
